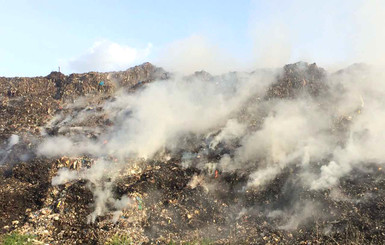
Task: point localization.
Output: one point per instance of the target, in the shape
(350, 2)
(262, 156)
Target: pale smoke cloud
(298, 214)
(63, 176)
(108, 56)
(298, 133)
(302, 133)
(100, 179)
(362, 104)
(287, 134)
(263, 176)
(272, 45)
(68, 147)
(181, 107)
(292, 134)
(196, 53)
(370, 34)
(364, 145)
(144, 126)
(121, 204)
(13, 140)
(232, 130)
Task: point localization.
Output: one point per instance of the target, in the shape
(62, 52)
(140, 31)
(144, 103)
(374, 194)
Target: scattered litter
(140, 202)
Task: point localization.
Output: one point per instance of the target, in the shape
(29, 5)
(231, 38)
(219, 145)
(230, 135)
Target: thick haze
(322, 138)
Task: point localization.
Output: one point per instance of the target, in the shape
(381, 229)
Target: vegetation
(16, 239)
(120, 240)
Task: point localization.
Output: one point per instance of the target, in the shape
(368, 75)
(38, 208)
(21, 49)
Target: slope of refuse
(69, 175)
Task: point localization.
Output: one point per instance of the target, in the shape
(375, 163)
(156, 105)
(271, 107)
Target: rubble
(170, 202)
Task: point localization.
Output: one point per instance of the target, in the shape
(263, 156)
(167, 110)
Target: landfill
(171, 197)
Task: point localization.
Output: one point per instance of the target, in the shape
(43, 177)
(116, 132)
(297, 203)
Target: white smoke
(232, 130)
(266, 136)
(100, 177)
(196, 53)
(144, 125)
(4, 153)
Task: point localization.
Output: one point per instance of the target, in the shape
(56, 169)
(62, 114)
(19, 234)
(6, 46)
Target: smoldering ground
(271, 144)
(251, 157)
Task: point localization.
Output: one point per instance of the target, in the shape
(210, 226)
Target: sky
(38, 36)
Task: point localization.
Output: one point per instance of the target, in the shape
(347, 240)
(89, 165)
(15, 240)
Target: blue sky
(38, 36)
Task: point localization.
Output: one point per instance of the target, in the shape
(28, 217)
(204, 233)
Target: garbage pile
(27, 104)
(161, 200)
(298, 78)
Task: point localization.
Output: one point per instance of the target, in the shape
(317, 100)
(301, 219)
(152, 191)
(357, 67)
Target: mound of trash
(143, 156)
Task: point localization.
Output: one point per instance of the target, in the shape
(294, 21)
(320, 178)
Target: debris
(178, 206)
(140, 202)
